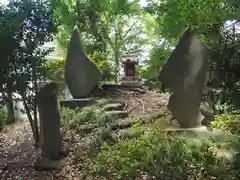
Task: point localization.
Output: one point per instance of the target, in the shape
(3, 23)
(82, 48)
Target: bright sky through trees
(143, 3)
(3, 1)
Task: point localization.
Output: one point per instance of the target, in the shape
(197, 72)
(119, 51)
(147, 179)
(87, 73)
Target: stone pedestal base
(131, 81)
(77, 103)
(49, 165)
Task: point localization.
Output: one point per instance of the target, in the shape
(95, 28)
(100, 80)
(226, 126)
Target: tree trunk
(35, 109)
(116, 51)
(10, 108)
(116, 69)
(28, 112)
(41, 135)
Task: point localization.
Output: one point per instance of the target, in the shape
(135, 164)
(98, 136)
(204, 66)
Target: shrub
(158, 155)
(54, 72)
(67, 116)
(87, 115)
(3, 118)
(229, 123)
(100, 59)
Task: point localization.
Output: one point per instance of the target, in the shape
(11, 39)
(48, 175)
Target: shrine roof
(130, 58)
(130, 61)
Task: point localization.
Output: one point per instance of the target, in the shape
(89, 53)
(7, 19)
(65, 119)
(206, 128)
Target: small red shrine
(129, 64)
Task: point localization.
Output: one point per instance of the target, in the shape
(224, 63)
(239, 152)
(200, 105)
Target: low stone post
(50, 138)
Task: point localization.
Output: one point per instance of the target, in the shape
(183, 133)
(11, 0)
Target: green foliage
(158, 155)
(222, 101)
(54, 72)
(27, 25)
(3, 118)
(67, 115)
(85, 116)
(229, 123)
(150, 69)
(113, 27)
(95, 19)
(102, 63)
(198, 14)
(89, 114)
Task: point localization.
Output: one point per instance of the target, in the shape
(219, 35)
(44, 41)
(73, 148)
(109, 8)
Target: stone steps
(119, 124)
(118, 114)
(103, 102)
(122, 124)
(113, 106)
(77, 103)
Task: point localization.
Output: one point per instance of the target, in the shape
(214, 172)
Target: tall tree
(34, 27)
(175, 16)
(8, 27)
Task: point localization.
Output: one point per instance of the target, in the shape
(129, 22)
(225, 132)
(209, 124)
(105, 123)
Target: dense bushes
(3, 118)
(229, 123)
(151, 153)
(89, 115)
(67, 115)
(158, 156)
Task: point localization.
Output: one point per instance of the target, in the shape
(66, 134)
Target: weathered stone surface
(49, 121)
(117, 114)
(81, 74)
(113, 106)
(48, 164)
(88, 128)
(186, 74)
(77, 103)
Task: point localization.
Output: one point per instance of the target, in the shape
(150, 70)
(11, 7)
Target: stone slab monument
(186, 73)
(81, 74)
(50, 138)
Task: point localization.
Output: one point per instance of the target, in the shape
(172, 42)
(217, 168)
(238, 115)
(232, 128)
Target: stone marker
(186, 74)
(81, 74)
(49, 121)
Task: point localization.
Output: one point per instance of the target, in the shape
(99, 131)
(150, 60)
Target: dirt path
(17, 154)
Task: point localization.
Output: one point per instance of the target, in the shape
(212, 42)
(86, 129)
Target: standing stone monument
(50, 139)
(186, 74)
(81, 74)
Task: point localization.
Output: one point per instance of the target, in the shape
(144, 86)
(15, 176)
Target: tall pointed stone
(186, 74)
(81, 74)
